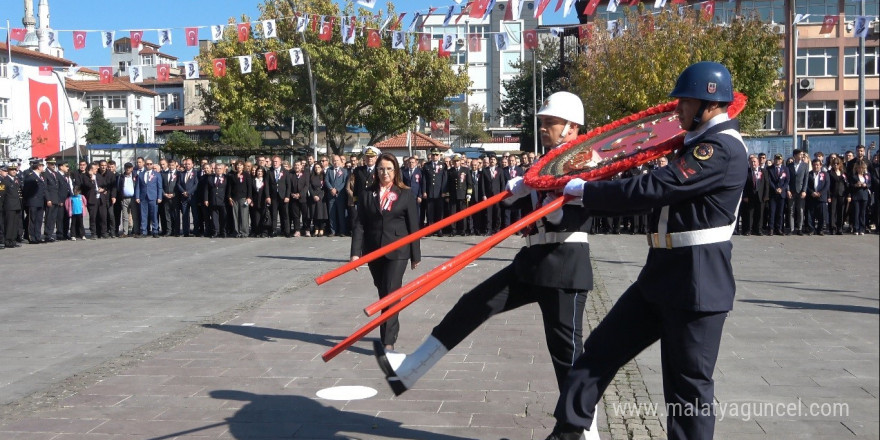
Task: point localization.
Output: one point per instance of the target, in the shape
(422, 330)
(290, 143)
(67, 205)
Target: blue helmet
(706, 81)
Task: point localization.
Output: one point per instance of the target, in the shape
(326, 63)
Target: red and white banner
(192, 36)
(530, 39)
(219, 66)
(79, 40)
(18, 34)
(136, 37)
(474, 43)
(244, 31)
(326, 31)
(373, 38)
(46, 70)
(106, 75)
(271, 61)
(45, 138)
(708, 10)
(828, 24)
(163, 72)
(425, 42)
(539, 9)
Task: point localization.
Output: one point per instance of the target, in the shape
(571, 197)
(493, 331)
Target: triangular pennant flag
(244, 62)
(556, 31)
(106, 74)
(269, 29)
(368, 3)
(219, 67)
(191, 68)
(539, 9)
(18, 34)
(217, 32)
(488, 9)
(315, 25)
(508, 13)
(707, 10)
(659, 4)
(301, 23)
(424, 42)
(164, 37)
(828, 24)
(569, 5)
(474, 43)
(45, 70)
(860, 27)
(449, 15)
(72, 71)
(412, 24)
(52, 36)
(136, 37)
(478, 8)
(373, 38)
(244, 31)
(465, 10)
(448, 42)
(271, 61)
(79, 40)
(612, 5)
(192, 36)
(398, 40)
(591, 7)
(558, 5)
(530, 39)
(135, 74)
(16, 72)
(296, 56)
(163, 72)
(399, 21)
(501, 41)
(107, 38)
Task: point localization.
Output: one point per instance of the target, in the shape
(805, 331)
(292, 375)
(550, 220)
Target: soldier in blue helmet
(686, 287)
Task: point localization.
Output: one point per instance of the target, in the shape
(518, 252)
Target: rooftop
(419, 141)
(118, 85)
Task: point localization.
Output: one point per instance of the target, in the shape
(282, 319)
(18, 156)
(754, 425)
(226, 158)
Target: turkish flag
(591, 7)
(271, 61)
(424, 42)
(474, 43)
(18, 34)
(79, 40)
(163, 71)
(442, 53)
(397, 23)
(541, 7)
(219, 67)
(45, 138)
(315, 23)
(559, 5)
(508, 13)
(828, 24)
(708, 10)
(478, 8)
(326, 31)
(136, 37)
(46, 70)
(192, 36)
(585, 33)
(244, 31)
(373, 38)
(106, 75)
(530, 38)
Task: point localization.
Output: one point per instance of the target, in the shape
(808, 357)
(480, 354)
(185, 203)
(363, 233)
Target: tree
(240, 136)
(179, 144)
(382, 89)
(99, 130)
(617, 77)
(469, 125)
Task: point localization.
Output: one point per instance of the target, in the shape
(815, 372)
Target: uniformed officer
(12, 207)
(363, 175)
(557, 245)
(36, 200)
(436, 179)
(3, 172)
(686, 287)
(461, 188)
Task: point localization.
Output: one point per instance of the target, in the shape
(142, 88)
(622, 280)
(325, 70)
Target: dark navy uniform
(35, 198)
(436, 178)
(686, 287)
(461, 189)
(12, 210)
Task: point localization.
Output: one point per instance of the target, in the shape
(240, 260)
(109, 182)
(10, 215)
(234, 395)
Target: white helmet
(564, 105)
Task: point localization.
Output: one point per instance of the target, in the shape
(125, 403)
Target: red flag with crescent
(530, 37)
(591, 7)
(136, 37)
(163, 72)
(708, 10)
(373, 38)
(192, 36)
(45, 138)
(244, 31)
(106, 75)
(440, 51)
(425, 42)
(79, 40)
(271, 61)
(326, 31)
(18, 34)
(474, 43)
(219, 67)
(585, 33)
(828, 24)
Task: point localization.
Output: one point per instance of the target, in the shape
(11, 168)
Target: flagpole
(70, 108)
(794, 81)
(861, 110)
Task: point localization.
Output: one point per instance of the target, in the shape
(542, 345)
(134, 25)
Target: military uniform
(12, 211)
(461, 188)
(436, 178)
(35, 198)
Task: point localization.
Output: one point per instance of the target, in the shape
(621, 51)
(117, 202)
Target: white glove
(554, 217)
(517, 188)
(575, 187)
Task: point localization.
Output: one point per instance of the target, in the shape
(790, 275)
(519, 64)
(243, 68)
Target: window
(4, 108)
(851, 61)
(817, 62)
(773, 118)
(514, 33)
(850, 114)
(122, 66)
(122, 47)
(94, 102)
(123, 130)
(817, 9)
(4, 147)
(769, 11)
(817, 115)
(4, 61)
(116, 101)
(137, 103)
(146, 60)
(508, 59)
(170, 101)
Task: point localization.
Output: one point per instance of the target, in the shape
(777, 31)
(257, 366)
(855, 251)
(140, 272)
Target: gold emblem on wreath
(703, 151)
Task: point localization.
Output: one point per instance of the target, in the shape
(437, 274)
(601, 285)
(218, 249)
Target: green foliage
(240, 135)
(469, 125)
(382, 89)
(616, 77)
(141, 139)
(179, 144)
(99, 130)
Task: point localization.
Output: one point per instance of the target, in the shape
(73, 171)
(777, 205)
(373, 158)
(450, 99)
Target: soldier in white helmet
(555, 245)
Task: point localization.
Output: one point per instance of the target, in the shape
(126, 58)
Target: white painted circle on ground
(472, 265)
(347, 393)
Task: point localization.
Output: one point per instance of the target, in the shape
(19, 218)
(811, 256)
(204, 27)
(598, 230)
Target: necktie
(277, 175)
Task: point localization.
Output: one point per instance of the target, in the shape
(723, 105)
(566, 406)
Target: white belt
(558, 237)
(690, 238)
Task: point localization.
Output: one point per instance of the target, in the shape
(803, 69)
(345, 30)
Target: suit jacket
(838, 184)
(89, 189)
(34, 190)
(334, 181)
(798, 181)
(478, 184)
(186, 184)
(169, 182)
(757, 186)
(822, 188)
(300, 185)
(374, 228)
(52, 185)
(278, 188)
(108, 183)
(516, 172)
(241, 187)
(64, 188)
(216, 190)
(413, 179)
(149, 189)
(436, 178)
(13, 194)
(493, 185)
(778, 179)
(363, 179)
(461, 183)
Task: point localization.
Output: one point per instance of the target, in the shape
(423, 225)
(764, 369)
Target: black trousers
(217, 227)
(103, 228)
(455, 206)
(93, 219)
(493, 219)
(62, 228)
(12, 223)
(171, 214)
(752, 216)
(434, 210)
(279, 207)
(299, 215)
(777, 206)
(689, 343)
(51, 218)
(35, 223)
(817, 215)
(388, 277)
(562, 310)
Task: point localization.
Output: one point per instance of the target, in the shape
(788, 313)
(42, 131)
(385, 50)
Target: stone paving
(227, 345)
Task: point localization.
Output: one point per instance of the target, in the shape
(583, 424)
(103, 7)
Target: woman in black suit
(241, 194)
(387, 213)
(317, 207)
(860, 193)
(837, 194)
(89, 187)
(258, 203)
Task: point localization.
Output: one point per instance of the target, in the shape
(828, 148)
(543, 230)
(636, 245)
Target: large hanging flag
(191, 69)
(530, 39)
(707, 10)
(217, 32)
(828, 24)
(107, 38)
(501, 41)
(219, 67)
(44, 118)
(244, 31)
(164, 37)
(106, 74)
(46, 70)
(398, 40)
(79, 40)
(192, 36)
(296, 56)
(271, 61)
(860, 27)
(448, 16)
(539, 9)
(163, 72)
(136, 37)
(591, 7)
(425, 42)
(269, 29)
(18, 34)
(244, 63)
(474, 43)
(135, 74)
(373, 38)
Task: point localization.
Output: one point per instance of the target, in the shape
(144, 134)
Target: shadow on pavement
(268, 334)
(277, 417)
(796, 285)
(325, 260)
(797, 305)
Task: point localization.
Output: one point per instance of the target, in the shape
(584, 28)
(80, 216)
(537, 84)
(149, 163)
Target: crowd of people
(270, 197)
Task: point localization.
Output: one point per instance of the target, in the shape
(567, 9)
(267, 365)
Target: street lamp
(797, 18)
(535, 99)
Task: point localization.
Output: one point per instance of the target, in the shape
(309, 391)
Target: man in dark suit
(363, 175)
(299, 191)
(461, 189)
(185, 190)
(412, 177)
(111, 178)
(65, 190)
(818, 186)
(148, 194)
(755, 193)
(436, 180)
(493, 183)
(36, 201)
(105, 186)
(511, 170)
(12, 205)
(169, 188)
(215, 196)
(777, 178)
(475, 224)
(334, 188)
(278, 181)
(797, 185)
(53, 204)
